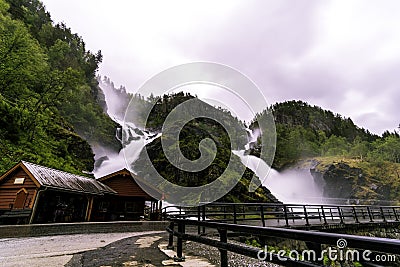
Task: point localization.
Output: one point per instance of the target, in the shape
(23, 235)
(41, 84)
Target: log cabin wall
(125, 185)
(24, 187)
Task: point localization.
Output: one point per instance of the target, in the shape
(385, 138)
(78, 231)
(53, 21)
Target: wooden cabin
(30, 193)
(129, 203)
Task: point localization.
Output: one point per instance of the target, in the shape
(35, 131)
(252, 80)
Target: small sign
(19, 180)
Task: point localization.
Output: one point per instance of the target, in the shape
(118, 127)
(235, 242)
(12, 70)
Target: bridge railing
(267, 214)
(314, 240)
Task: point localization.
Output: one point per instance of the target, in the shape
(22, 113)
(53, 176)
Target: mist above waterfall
(116, 99)
(294, 186)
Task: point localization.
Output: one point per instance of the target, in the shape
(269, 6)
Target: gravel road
(55, 250)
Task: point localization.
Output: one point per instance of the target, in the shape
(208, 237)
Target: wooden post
(223, 237)
(89, 208)
(35, 205)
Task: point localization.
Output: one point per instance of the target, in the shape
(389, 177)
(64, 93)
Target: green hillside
(349, 162)
(49, 97)
(309, 131)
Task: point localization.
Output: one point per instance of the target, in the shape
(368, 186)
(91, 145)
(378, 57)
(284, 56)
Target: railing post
(234, 214)
(382, 214)
(323, 214)
(395, 214)
(244, 212)
(198, 218)
(223, 237)
(171, 237)
(306, 215)
(330, 210)
(340, 215)
(355, 215)
(179, 245)
(371, 219)
(291, 211)
(262, 215)
(204, 217)
(224, 212)
(319, 215)
(286, 215)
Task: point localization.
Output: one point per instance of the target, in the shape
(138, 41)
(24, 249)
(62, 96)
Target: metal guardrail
(382, 245)
(287, 215)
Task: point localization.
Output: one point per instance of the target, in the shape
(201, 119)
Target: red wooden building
(30, 193)
(129, 203)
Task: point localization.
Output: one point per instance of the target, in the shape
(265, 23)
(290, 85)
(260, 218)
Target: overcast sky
(340, 55)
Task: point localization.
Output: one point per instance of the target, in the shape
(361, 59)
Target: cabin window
(19, 180)
(20, 199)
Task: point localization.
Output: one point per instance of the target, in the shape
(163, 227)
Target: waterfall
(291, 186)
(133, 143)
(135, 139)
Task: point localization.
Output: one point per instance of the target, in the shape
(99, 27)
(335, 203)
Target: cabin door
(20, 199)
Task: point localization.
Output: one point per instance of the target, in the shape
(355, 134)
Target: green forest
(309, 131)
(50, 102)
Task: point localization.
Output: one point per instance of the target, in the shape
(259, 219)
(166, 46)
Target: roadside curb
(32, 230)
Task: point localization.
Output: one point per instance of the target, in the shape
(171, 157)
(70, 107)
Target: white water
(134, 139)
(292, 186)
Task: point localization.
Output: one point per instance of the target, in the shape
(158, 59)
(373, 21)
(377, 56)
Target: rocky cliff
(355, 181)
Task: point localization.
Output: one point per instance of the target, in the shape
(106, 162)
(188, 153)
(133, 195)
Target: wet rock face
(339, 180)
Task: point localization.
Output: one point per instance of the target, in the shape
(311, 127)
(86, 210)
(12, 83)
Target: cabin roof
(155, 192)
(124, 171)
(52, 178)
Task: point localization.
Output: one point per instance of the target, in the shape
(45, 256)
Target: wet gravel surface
(213, 255)
(134, 251)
